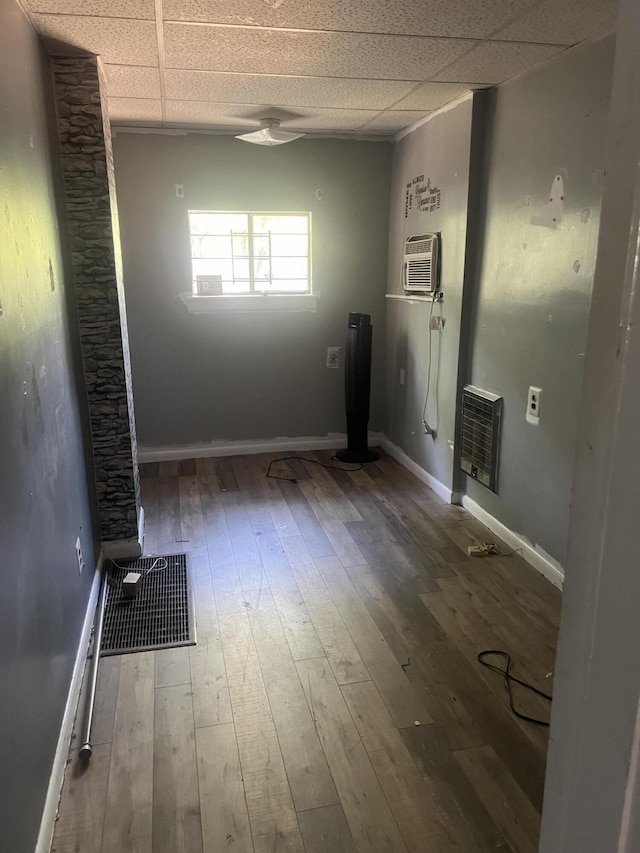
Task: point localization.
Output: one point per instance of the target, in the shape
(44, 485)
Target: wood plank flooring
(333, 702)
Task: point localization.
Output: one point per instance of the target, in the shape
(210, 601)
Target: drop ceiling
(361, 67)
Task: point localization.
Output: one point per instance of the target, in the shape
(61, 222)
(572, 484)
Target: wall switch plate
(333, 357)
(436, 323)
(533, 404)
(79, 556)
(402, 375)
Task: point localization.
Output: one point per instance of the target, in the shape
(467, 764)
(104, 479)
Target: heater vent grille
(481, 415)
(162, 613)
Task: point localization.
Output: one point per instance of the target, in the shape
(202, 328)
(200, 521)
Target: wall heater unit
(421, 264)
(481, 414)
(357, 387)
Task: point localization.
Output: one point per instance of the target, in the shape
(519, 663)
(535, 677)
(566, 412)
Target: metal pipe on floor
(86, 749)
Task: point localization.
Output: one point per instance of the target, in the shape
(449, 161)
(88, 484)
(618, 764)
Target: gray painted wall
(44, 498)
(439, 150)
(204, 378)
(534, 288)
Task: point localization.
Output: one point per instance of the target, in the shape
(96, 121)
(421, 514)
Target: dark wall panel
(44, 486)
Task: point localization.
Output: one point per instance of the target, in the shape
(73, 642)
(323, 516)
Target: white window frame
(252, 290)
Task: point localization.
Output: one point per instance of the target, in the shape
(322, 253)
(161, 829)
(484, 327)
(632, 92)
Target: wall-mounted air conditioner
(421, 264)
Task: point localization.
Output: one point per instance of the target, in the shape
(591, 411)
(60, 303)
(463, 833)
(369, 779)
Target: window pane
(275, 258)
(262, 270)
(210, 247)
(261, 246)
(285, 286)
(289, 267)
(230, 287)
(241, 268)
(241, 245)
(280, 224)
(210, 266)
(217, 223)
(289, 244)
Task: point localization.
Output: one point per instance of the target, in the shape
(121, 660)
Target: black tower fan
(357, 387)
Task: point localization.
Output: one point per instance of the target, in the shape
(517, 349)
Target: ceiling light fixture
(269, 135)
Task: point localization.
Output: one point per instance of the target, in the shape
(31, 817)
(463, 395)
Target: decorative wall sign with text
(425, 197)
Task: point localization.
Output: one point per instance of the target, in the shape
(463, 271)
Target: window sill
(250, 302)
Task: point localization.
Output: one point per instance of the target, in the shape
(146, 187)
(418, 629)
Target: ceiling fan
(269, 135)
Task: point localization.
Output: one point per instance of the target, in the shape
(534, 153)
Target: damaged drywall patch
(551, 213)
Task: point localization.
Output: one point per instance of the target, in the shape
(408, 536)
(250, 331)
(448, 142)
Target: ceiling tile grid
(241, 116)
(97, 8)
(393, 120)
(119, 41)
(431, 96)
(135, 109)
(357, 55)
(495, 61)
(332, 92)
(330, 65)
(562, 21)
(474, 19)
(133, 81)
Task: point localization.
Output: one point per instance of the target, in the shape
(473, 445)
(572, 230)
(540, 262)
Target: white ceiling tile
(205, 48)
(336, 92)
(94, 8)
(562, 22)
(431, 96)
(126, 81)
(135, 109)
(494, 61)
(243, 116)
(118, 41)
(394, 120)
(450, 18)
(213, 115)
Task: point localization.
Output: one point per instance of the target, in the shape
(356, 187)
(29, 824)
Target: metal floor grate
(161, 615)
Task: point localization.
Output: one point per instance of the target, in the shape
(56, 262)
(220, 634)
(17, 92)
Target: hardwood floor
(333, 702)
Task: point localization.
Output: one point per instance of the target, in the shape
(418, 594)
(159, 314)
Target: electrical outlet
(533, 404)
(79, 556)
(402, 375)
(333, 357)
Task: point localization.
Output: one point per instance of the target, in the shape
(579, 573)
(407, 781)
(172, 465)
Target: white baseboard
(236, 448)
(439, 488)
(533, 554)
(126, 549)
(50, 811)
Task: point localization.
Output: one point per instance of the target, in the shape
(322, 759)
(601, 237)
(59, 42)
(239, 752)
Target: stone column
(89, 184)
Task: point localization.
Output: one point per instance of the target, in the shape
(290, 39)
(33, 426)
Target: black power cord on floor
(304, 459)
(508, 678)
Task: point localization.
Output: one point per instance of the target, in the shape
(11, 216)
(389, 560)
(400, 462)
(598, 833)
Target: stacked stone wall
(87, 165)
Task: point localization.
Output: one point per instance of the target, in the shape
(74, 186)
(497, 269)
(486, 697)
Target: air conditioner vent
(480, 435)
(419, 274)
(421, 264)
(416, 247)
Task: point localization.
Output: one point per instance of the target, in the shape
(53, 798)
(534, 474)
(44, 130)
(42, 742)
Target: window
(245, 253)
